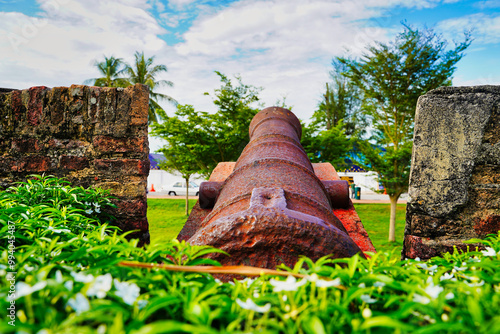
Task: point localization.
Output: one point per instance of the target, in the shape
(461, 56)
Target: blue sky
(284, 46)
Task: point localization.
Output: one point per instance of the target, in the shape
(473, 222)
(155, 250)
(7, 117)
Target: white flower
(367, 299)
(59, 277)
(433, 290)
(100, 286)
(447, 276)
(425, 267)
(247, 281)
(362, 285)
(379, 284)
(290, 284)
(312, 278)
(455, 269)
(250, 305)
(475, 284)
(326, 284)
(101, 329)
(89, 211)
(28, 268)
(79, 303)
(51, 228)
(24, 289)
(417, 259)
(127, 291)
(81, 277)
(420, 299)
(489, 252)
(367, 313)
(449, 295)
(68, 285)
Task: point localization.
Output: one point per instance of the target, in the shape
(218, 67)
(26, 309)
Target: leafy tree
(328, 138)
(144, 71)
(111, 70)
(330, 145)
(391, 77)
(179, 159)
(212, 138)
(341, 103)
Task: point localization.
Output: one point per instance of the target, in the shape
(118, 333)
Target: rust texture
(273, 208)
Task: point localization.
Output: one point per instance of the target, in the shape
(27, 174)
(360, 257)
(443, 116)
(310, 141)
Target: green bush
(68, 281)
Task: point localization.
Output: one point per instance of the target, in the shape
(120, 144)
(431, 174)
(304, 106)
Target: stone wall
(455, 176)
(92, 136)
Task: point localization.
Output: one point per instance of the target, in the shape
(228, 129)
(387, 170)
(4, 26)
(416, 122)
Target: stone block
(35, 105)
(58, 97)
(107, 144)
(131, 188)
(32, 164)
(122, 166)
(92, 136)
(130, 207)
(139, 105)
(454, 181)
(25, 145)
(73, 163)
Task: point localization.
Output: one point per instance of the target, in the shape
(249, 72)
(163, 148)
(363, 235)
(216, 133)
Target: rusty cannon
(270, 207)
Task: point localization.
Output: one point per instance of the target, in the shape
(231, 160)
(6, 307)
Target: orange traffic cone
(153, 188)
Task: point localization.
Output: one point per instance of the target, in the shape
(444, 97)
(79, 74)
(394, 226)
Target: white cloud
(59, 48)
(488, 4)
(485, 28)
(284, 46)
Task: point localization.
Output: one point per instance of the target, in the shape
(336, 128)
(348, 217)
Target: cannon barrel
(273, 208)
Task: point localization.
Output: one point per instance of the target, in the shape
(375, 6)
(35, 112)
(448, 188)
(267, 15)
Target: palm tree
(144, 71)
(111, 69)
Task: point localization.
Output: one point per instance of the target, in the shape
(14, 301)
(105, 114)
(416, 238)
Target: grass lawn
(375, 219)
(166, 219)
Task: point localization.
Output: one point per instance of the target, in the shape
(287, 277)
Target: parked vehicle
(179, 188)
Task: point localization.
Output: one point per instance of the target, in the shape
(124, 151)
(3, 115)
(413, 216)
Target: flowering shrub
(67, 280)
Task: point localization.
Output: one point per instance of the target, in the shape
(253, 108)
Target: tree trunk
(392, 220)
(187, 196)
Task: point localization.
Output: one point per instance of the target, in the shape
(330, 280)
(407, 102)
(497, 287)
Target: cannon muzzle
(273, 208)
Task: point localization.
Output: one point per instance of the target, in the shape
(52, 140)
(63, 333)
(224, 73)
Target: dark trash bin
(357, 193)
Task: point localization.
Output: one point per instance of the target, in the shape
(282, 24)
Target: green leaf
(172, 326)
(313, 325)
(385, 322)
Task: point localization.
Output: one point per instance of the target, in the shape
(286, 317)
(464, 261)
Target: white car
(179, 188)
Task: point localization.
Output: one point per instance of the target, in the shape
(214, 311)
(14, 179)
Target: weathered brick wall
(455, 176)
(92, 136)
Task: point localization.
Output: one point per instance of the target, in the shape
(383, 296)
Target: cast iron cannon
(273, 208)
